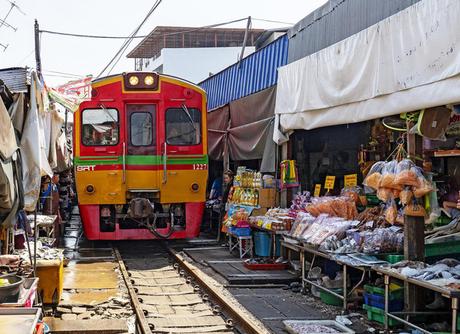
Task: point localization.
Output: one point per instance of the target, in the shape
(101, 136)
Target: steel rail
(141, 320)
(240, 320)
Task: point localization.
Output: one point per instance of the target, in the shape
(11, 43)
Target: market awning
(246, 126)
(406, 62)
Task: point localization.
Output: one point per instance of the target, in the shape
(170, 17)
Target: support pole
(414, 230)
(284, 156)
(246, 33)
(37, 49)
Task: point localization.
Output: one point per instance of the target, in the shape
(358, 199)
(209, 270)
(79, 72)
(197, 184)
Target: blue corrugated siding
(256, 72)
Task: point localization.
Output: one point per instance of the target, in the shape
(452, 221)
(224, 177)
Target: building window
(183, 126)
(100, 127)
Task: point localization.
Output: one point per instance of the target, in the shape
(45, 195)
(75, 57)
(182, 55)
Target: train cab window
(141, 129)
(100, 127)
(183, 126)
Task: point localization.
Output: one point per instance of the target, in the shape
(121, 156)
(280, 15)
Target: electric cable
(130, 39)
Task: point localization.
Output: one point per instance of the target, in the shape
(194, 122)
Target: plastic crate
(442, 248)
(378, 315)
(379, 302)
(240, 231)
(372, 200)
(330, 299)
(393, 258)
(396, 291)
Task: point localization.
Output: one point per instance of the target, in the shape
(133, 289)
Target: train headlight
(133, 80)
(149, 80)
(90, 189)
(195, 187)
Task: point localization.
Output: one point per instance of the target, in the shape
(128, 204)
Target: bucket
(10, 293)
(262, 243)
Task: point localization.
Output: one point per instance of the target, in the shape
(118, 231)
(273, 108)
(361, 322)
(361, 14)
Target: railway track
(170, 295)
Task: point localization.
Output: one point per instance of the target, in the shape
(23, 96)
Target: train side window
(100, 127)
(183, 126)
(141, 129)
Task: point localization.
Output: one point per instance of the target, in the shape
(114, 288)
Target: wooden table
(453, 295)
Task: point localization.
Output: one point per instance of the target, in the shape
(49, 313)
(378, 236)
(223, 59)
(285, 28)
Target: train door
(142, 162)
(184, 163)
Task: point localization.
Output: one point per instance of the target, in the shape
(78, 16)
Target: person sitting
(216, 189)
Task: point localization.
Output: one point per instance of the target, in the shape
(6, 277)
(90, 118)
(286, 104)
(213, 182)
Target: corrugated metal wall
(255, 73)
(337, 20)
(15, 78)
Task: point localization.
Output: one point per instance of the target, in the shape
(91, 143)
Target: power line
(60, 33)
(130, 39)
(273, 21)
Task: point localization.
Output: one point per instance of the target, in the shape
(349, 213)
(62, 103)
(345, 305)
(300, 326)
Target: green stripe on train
(140, 160)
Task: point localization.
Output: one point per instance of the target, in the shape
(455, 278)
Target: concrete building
(191, 53)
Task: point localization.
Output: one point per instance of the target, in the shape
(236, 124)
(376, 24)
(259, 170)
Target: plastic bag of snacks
(424, 186)
(405, 175)
(384, 194)
(391, 212)
(374, 176)
(406, 196)
(389, 176)
(383, 240)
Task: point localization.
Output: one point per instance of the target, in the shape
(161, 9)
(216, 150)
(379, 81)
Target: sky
(66, 58)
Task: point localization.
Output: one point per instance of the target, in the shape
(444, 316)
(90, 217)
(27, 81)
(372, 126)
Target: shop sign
(329, 183)
(351, 180)
(317, 190)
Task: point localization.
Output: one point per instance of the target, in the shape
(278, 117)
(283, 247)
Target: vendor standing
(228, 183)
(227, 188)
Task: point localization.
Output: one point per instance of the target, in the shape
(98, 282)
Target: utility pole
(246, 33)
(37, 49)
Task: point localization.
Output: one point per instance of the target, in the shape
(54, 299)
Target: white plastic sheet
(408, 61)
(33, 148)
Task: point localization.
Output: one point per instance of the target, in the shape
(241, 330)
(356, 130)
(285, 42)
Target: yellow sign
(351, 180)
(329, 183)
(317, 190)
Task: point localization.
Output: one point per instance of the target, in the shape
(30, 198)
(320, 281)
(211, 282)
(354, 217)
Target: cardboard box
(259, 212)
(267, 198)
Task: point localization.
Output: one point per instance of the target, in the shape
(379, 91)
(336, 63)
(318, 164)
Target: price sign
(351, 180)
(317, 190)
(329, 183)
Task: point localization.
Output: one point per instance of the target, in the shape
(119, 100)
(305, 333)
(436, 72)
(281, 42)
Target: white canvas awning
(406, 62)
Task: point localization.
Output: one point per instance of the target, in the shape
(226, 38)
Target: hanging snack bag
(391, 212)
(405, 175)
(384, 194)
(388, 175)
(374, 176)
(406, 196)
(414, 209)
(423, 187)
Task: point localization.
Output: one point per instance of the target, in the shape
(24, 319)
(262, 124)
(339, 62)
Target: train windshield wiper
(187, 112)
